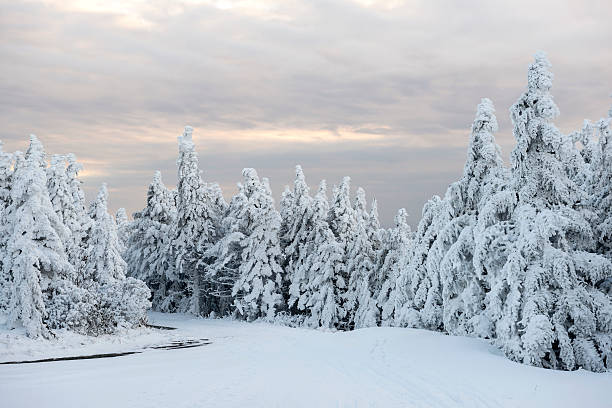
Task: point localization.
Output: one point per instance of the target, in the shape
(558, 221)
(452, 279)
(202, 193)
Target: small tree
(393, 257)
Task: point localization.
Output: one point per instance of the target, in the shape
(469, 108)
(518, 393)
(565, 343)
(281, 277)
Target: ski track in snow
(262, 365)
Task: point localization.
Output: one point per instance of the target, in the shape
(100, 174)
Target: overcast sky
(383, 91)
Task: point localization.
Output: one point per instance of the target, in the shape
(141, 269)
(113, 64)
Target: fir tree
(297, 230)
(34, 255)
(148, 253)
(545, 304)
(258, 285)
(194, 229)
(360, 305)
(324, 266)
(393, 257)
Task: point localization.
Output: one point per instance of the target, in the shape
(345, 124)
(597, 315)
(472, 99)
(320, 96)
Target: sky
(383, 91)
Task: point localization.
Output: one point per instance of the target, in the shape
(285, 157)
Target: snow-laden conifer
(6, 173)
(396, 243)
(546, 306)
(123, 227)
(257, 290)
(35, 254)
(324, 266)
(297, 229)
(148, 253)
(194, 228)
(360, 265)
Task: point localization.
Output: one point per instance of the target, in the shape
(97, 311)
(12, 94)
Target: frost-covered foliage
(123, 226)
(360, 264)
(194, 230)
(395, 244)
(148, 251)
(545, 302)
(60, 267)
(34, 254)
(249, 254)
(324, 268)
(296, 227)
(518, 255)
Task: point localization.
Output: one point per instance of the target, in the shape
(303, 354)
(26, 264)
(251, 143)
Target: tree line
(518, 254)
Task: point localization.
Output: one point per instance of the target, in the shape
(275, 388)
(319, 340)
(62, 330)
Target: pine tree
(463, 290)
(342, 222)
(194, 229)
(123, 228)
(545, 304)
(148, 253)
(420, 296)
(257, 290)
(6, 173)
(324, 266)
(297, 229)
(35, 255)
(76, 219)
(360, 305)
(392, 259)
(104, 261)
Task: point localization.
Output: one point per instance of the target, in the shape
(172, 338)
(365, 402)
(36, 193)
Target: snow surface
(262, 365)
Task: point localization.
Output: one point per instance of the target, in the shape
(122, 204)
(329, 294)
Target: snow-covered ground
(261, 365)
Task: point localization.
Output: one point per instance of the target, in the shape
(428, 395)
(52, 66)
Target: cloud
(381, 90)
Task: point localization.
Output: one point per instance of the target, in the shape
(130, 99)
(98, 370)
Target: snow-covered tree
(148, 253)
(6, 173)
(463, 289)
(360, 265)
(104, 261)
(324, 266)
(76, 218)
(257, 290)
(396, 243)
(248, 256)
(294, 241)
(545, 303)
(123, 227)
(35, 254)
(420, 294)
(194, 229)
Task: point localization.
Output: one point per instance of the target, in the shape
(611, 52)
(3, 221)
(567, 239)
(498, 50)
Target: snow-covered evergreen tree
(296, 231)
(324, 266)
(342, 222)
(76, 218)
(6, 173)
(104, 261)
(392, 258)
(148, 253)
(194, 229)
(420, 294)
(35, 254)
(257, 290)
(546, 306)
(123, 227)
(463, 290)
(360, 265)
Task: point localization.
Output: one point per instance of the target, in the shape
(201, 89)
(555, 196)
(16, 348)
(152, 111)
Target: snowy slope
(260, 365)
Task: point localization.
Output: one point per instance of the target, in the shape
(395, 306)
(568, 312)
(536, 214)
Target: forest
(519, 253)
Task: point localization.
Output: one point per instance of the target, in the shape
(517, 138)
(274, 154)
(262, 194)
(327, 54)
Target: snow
(263, 365)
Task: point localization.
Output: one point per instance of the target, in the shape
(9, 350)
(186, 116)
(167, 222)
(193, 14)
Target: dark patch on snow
(175, 345)
(89, 357)
(154, 326)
